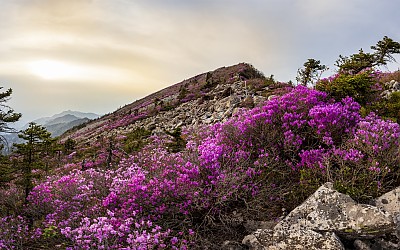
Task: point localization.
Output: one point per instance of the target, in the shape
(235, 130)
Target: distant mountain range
(56, 124)
(59, 123)
(65, 117)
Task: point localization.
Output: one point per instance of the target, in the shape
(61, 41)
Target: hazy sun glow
(53, 70)
(58, 70)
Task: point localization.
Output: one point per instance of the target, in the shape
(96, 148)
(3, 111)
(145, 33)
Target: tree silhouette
(383, 53)
(384, 50)
(311, 72)
(7, 114)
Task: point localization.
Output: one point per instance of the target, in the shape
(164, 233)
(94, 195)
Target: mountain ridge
(213, 95)
(78, 114)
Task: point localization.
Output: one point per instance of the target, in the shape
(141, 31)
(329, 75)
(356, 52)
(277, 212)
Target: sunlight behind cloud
(57, 70)
(51, 70)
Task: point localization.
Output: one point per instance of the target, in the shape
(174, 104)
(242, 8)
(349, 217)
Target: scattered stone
(252, 242)
(233, 101)
(385, 244)
(396, 86)
(392, 86)
(252, 226)
(361, 245)
(233, 245)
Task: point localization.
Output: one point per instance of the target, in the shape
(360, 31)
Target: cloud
(153, 44)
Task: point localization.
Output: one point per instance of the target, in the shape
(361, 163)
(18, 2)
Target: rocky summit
(204, 99)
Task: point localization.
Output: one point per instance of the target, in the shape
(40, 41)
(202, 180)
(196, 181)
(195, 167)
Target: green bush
(136, 140)
(390, 108)
(359, 86)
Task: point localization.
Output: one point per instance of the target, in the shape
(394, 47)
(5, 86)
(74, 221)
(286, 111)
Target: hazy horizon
(97, 55)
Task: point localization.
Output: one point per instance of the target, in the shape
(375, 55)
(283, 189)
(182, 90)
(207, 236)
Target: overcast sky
(97, 55)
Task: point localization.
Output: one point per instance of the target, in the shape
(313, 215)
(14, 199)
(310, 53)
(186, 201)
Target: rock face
(194, 113)
(292, 239)
(330, 211)
(390, 202)
(391, 87)
(327, 217)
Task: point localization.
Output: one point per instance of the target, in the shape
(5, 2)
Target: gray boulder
(396, 86)
(390, 202)
(265, 239)
(330, 211)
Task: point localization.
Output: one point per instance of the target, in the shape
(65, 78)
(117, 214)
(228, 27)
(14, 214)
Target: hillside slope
(206, 98)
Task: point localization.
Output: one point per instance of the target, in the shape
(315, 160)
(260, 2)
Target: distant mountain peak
(77, 114)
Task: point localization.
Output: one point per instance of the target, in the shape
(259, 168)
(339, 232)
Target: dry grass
(387, 77)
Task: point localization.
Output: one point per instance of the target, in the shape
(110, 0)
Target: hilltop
(203, 99)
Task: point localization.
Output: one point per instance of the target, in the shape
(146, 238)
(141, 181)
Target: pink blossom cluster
(14, 232)
(125, 120)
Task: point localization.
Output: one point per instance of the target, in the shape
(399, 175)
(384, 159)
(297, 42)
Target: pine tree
(384, 50)
(383, 53)
(7, 114)
(311, 72)
(37, 140)
(356, 62)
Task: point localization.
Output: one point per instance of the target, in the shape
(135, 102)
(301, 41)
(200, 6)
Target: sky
(98, 55)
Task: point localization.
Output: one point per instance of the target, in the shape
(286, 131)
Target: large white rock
(330, 211)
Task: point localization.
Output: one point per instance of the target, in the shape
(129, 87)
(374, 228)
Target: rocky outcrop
(201, 100)
(390, 202)
(292, 239)
(328, 218)
(391, 87)
(194, 112)
(330, 211)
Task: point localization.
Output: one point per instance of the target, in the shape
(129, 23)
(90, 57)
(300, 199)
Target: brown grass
(387, 77)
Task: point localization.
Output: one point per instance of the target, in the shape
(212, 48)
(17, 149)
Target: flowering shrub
(369, 161)
(288, 126)
(14, 232)
(11, 200)
(83, 208)
(306, 137)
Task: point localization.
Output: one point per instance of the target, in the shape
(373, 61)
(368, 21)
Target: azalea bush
(15, 233)
(11, 200)
(368, 164)
(306, 138)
